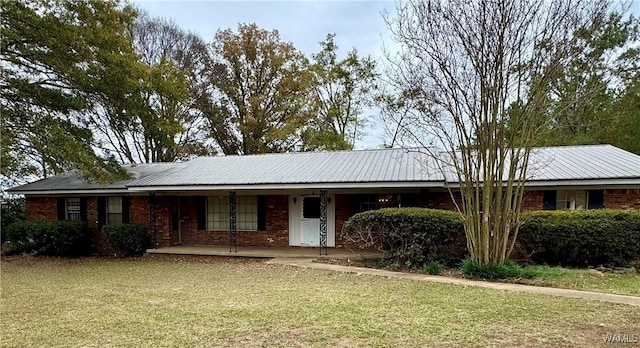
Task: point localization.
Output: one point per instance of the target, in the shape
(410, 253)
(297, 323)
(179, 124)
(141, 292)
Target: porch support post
(323, 222)
(233, 238)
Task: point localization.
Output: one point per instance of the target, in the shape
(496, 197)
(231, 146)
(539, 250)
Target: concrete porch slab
(290, 252)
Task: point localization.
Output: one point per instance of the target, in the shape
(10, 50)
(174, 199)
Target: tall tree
(56, 56)
(166, 125)
(343, 89)
(468, 71)
(260, 91)
(602, 79)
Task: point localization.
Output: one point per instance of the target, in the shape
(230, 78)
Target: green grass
(557, 277)
(584, 279)
(204, 302)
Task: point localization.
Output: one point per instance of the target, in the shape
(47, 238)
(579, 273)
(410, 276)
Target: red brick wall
(442, 200)
(189, 220)
(277, 227)
(163, 221)
(42, 208)
(276, 233)
(622, 199)
(532, 200)
(139, 210)
(343, 213)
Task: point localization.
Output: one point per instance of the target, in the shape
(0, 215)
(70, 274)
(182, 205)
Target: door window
(311, 207)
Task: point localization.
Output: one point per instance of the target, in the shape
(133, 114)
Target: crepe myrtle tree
(470, 79)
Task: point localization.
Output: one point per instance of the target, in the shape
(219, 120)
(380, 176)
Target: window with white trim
(246, 213)
(571, 200)
(72, 209)
(114, 210)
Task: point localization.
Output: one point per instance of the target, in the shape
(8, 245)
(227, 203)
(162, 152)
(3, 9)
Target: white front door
(310, 221)
(304, 220)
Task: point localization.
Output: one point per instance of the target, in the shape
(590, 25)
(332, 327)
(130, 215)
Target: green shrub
(433, 268)
(126, 240)
(409, 237)
(58, 238)
(581, 237)
(508, 269)
(13, 210)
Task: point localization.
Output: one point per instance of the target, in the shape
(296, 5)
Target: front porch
(267, 252)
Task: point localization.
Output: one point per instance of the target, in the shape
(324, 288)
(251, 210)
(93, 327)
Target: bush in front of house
(12, 210)
(57, 238)
(581, 237)
(126, 240)
(508, 269)
(432, 268)
(409, 237)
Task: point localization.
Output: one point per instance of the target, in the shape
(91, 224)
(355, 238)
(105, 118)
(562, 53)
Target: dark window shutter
(596, 199)
(262, 213)
(126, 210)
(83, 209)
(61, 209)
(354, 201)
(102, 211)
(424, 198)
(201, 212)
(549, 200)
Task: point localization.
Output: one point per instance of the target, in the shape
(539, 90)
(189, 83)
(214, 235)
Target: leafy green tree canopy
(59, 58)
(343, 88)
(260, 92)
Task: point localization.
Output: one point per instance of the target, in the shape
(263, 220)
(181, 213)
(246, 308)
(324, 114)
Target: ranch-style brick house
(303, 199)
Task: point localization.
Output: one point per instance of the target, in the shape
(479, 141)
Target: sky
(357, 24)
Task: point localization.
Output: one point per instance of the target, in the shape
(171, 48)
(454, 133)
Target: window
(573, 200)
(114, 210)
(246, 213)
(311, 207)
(374, 202)
(72, 209)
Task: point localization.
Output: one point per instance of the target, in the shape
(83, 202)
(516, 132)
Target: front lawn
(585, 279)
(201, 302)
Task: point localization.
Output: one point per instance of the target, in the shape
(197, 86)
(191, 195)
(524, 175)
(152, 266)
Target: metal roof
(583, 162)
(385, 165)
(574, 165)
(73, 181)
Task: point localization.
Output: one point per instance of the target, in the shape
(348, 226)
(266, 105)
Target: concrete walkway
(587, 295)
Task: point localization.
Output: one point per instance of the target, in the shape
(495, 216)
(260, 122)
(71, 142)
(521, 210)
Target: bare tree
(164, 123)
(475, 77)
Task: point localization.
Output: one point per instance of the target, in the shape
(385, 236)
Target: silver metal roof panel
(342, 168)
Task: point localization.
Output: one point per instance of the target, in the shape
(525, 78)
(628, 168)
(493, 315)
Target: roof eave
(288, 186)
(68, 192)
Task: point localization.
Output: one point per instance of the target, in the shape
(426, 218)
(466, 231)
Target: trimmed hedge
(126, 240)
(581, 237)
(409, 237)
(57, 238)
